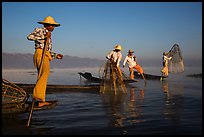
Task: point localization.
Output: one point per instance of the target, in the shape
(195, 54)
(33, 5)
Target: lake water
(169, 107)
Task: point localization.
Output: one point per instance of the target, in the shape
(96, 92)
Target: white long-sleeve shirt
(117, 57)
(130, 61)
(165, 60)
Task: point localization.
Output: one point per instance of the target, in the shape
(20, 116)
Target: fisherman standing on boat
(165, 70)
(40, 36)
(132, 64)
(115, 56)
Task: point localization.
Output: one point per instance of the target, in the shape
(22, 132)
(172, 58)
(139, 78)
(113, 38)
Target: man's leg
(131, 73)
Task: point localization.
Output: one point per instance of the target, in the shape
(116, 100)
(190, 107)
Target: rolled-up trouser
(39, 90)
(138, 68)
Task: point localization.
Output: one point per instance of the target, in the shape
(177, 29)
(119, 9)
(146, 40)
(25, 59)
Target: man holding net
(175, 59)
(114, 57)
(165, 70)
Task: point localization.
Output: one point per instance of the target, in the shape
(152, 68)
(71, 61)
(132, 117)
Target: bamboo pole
(143, 78)
(121, 82)
(39, 74)
(113, 78)
(114, 74)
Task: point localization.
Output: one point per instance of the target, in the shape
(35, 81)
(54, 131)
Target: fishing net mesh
(112, 78)
(12, 95)
(176, 64)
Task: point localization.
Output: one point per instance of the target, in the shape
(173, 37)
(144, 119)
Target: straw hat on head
(49, 20)
(118, 47)
(130, 51)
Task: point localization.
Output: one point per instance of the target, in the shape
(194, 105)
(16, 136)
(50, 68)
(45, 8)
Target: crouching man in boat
(165, 70)
(133, 64)
(43, 44)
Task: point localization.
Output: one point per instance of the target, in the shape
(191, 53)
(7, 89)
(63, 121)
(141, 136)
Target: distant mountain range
(25, 61)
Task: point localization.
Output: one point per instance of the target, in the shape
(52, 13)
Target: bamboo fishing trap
(112, 78)
(13, 97)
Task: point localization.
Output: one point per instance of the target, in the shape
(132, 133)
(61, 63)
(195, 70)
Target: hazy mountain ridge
(25, 61)
(21, 61)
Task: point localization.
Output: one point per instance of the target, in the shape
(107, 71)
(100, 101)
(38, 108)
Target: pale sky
(92, 29)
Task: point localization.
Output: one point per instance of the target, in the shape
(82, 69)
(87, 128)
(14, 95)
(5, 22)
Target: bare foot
(43, 104)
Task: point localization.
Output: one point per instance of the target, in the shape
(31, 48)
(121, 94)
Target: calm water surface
(173, 106)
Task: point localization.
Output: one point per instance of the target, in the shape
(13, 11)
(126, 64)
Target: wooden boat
(15, 99)
(148, 76)
(62, 88)
(52, 104)
(195, 75)
(12, 108)
(15, 95)
(23, 108)
(88, 76)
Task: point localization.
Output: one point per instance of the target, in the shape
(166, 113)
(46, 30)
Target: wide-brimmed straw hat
(118, 47)
(49, 20)
(130, 51)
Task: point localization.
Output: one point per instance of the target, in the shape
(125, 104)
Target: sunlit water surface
(172, 106)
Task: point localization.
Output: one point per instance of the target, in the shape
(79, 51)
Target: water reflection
(135, 105)
(124, 109)
(173, 101)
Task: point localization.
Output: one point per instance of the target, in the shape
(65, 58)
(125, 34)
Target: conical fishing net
(112, 78)
(12, 96)
(176, 64)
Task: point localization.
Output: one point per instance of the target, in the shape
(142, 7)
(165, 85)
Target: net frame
(176, 64)
(12, 95)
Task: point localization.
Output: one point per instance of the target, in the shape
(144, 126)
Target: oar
(143, 78)
(39, 74)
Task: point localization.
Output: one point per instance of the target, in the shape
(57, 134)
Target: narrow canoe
(88, 76)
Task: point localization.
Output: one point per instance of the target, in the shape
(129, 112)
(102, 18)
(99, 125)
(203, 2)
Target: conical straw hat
(118, 47)
(49, 20)
(130, 51)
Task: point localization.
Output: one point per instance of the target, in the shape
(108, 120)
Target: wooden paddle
(144, 78)
(39, 74)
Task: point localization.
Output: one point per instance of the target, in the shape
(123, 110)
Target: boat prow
(88, 76)
(149, 76)
(26, 107)
(52, 103)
